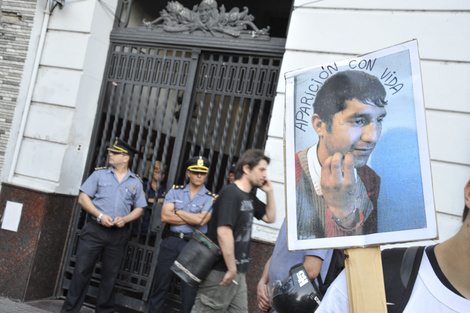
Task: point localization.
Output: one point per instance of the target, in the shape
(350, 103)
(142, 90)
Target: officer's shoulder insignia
(213, 195)
(139, 178)
(178, 186)
(100, 168)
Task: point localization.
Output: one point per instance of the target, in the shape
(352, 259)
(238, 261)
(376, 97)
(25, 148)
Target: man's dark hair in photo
(347, 85)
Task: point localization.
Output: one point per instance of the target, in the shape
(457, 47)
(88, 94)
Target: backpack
(336, 266)
(400, 269)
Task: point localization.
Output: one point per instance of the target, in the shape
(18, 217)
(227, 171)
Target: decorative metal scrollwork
(206, 17)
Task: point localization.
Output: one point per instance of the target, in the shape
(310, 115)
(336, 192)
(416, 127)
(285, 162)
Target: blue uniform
(201, 202)
(114, 199)
(283, 259)
(171, 246)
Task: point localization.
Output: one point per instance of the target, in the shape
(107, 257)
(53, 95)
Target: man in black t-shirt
(225, 289)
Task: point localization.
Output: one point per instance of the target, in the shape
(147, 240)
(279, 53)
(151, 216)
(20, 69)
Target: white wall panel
(276, 126)
(76, 16)
(37, 183)
(103, 20)
(65, 97)
(48, 122)
(387, 4)
(448, 183)
(40, 159)
(275, 150)
(57, 86)
(441, 35)
(265, 233)
(65, 49)
(95, 61)
(446, 85)
(268, 232)
(448, 225)
(448, 136)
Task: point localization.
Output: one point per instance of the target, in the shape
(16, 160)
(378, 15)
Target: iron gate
(172, 103)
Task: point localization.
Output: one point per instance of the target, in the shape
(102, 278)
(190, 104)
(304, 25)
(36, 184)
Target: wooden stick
(366, 290)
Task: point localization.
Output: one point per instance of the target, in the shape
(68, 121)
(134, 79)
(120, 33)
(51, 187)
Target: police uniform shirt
(181, 197)
(111, 197)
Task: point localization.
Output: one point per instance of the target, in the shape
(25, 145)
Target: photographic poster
(357, 160)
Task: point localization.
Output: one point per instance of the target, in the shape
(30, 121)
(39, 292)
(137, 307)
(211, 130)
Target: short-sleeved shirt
(112, 197)
(236, 208)
(181, 197)
(282, 259)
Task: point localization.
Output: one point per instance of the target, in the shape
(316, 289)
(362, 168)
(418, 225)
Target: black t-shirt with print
(236, 208)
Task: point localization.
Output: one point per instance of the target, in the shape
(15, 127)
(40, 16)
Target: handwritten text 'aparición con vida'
(305, 108)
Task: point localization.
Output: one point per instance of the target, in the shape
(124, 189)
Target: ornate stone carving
(206, 17)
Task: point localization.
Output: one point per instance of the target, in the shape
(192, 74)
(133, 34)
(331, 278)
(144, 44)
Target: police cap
(120, 146)
(198, 164)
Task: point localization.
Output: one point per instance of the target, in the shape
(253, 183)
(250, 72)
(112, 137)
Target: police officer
(184, 208)
(108, 196)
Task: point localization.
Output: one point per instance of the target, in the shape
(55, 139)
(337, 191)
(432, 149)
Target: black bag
(196, 259)
(336, 266)
(400, 269)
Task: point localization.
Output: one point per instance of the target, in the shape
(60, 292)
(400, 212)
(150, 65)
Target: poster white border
(386, 237)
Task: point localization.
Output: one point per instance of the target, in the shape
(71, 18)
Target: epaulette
(139, 178)
(100, 168)
(178, 186)
(213, 195)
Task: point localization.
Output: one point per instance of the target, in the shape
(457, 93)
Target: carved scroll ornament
(206, 17)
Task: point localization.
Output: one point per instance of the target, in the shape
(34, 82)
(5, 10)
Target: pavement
(53, 306)
(39, 306)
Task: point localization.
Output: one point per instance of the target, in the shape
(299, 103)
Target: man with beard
(336, 191)
(224, 289)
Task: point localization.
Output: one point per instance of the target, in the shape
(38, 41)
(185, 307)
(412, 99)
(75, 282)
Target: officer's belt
(185, 236)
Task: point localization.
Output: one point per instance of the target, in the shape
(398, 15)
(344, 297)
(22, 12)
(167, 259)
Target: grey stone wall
(16, 21)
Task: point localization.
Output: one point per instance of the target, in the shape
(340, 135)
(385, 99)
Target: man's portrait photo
(349, 111)
(357, 161)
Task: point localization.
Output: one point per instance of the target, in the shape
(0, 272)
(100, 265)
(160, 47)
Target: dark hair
(465, 213)
(251, 158)
(347, 85)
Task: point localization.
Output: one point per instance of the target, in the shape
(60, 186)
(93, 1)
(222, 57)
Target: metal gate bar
(235, 90)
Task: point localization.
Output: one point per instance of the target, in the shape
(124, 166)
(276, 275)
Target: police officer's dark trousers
(95, 238)
(170, 248)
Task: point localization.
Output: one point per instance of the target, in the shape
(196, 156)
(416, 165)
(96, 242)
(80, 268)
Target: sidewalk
(40, 306)
(52, 306)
